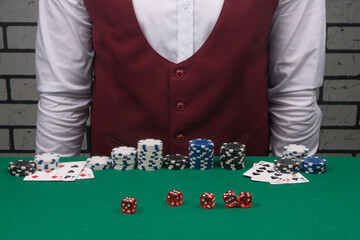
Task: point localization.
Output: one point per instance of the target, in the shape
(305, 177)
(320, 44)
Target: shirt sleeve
(64, 57)
(296, 69)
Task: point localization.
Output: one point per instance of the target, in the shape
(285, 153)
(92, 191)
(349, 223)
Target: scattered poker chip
(295, 151)
(150, 154)
(201, 154)
(286, 165)
(232, 156)
(22, 168)
(98, 163)
(313, 165)
(175, 162)
(46, 161)
(123, 158)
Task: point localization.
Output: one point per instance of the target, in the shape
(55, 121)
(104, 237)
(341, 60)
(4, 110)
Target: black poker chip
(233, 166)
(175, 162)
(21, 168)
(232, 156)
(233, 147)
(286, 165)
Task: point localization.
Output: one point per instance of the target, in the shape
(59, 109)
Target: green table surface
(325, 208)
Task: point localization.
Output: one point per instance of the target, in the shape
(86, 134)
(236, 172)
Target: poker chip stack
(124, 158)
(295, 151)
(175, 162)
(98, 163)
(201, 154)
(46, 161)
(286, 165)
(150, 154)
(22, 168)
(232, 156)
(313, 165)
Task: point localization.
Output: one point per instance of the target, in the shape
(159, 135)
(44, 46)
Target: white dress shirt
(176, 29)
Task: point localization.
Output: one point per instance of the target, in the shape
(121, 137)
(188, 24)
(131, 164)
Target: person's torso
(219, 93)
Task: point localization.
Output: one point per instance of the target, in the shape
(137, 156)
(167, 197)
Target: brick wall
(339, 98)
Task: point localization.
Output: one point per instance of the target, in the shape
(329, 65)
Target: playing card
(72, 170)
(85, 173)
(67, 171)
(55, 175)
(252, 171)
(290, 179)
(264, 172)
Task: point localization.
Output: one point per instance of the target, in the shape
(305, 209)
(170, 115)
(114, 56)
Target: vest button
(180, 106)
(179, 73)
(180, 138)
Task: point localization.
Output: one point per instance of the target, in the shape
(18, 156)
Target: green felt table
(325, 208)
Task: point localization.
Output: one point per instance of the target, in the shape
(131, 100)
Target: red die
(174, 198)
(230, 199)
(245, 199)
(128, 205)
(207, 200)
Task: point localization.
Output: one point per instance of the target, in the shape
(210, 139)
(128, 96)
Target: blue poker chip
(313, 165)
(201, 154)
(316, 161)
(201, 143)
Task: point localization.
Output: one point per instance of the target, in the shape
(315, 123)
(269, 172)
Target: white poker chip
(150, 144)
(46, 158)
(295, 151)
(123, 151)
(98, 163)
(150, 154)
(47, 161)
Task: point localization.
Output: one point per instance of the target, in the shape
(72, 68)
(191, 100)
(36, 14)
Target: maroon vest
(219, 93)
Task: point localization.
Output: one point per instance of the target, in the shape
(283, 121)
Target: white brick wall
(19, 10)
(1, 38)
(24, 89)
(18, 114)
(17, 63)
(339, 115)
(4, 139)
(342, 11)
(339, 139)
(347, 38)
(342, 90)
(3, 91)
(339, 98)
(24, 139)
(342, 64)
(19, 37)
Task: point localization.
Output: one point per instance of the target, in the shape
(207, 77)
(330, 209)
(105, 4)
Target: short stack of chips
(295, 151)
(124, 158)
(201, 154)
(22, 168)
(313, 165)
(150, 154)
(46, 161)
(175, 162)
(232, 156)
(98, 163)
(286, 165)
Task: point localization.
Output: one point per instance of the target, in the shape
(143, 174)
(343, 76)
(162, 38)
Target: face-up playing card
(72, 170)
(45, 176)
(85, 173)
(253, 171)
(264, 172)
(67, 171)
